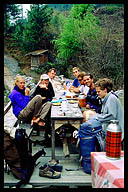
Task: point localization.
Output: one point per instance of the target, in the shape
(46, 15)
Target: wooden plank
(7, 107)
(68, 178)
(75, 123)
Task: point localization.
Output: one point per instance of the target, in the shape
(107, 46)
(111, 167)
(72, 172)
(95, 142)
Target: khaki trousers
(35, 108)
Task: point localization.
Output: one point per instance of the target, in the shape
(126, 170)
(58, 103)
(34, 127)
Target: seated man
(45, 89)
(111, 106)
(82, 88)
(92, 99)
(75, 71)
(52, 74)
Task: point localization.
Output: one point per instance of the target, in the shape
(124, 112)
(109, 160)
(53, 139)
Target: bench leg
(65, 147)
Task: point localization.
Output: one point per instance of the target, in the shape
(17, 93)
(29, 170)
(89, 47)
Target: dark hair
(104, 83)
(89, 74)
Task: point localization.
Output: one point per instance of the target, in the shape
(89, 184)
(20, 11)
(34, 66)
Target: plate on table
(70, 97)
(73, 101)
(56, 104)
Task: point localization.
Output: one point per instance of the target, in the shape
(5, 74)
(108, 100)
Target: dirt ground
(8, 78)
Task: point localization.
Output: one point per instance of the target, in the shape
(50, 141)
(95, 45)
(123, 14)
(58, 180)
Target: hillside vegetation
(91, 38)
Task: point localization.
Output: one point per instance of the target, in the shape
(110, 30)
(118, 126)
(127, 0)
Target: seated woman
(45, 89)
(24, 109)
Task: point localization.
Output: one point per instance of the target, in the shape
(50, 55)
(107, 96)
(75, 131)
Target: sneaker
(56, 167)
(47, 171)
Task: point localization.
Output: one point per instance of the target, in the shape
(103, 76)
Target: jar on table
(82, 100)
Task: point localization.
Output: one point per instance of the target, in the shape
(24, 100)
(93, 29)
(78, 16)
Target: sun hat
(44, 77)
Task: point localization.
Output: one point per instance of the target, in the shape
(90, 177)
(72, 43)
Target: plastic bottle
(64, 104)
(68, 84)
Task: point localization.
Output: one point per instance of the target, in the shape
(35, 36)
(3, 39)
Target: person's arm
(21, 101)
(110, 111)
(50, 87)
(74, 89)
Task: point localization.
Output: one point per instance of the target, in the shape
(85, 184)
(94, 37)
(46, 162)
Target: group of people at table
(102, 103)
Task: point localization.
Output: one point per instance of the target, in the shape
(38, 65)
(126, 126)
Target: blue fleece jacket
(19, 101)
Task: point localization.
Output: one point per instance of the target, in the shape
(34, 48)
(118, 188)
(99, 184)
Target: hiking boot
(47, 171)
(55, 166)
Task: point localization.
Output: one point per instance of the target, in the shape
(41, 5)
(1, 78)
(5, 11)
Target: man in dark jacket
(92, 99)
(45, 89)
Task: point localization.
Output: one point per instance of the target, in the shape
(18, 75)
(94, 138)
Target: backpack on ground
(18, 156)
(91, 139)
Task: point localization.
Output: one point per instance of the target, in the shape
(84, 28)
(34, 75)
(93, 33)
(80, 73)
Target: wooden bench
(11, 121)
(69, 179)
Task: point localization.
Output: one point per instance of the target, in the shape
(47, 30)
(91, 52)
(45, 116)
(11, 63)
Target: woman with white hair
(24, 109)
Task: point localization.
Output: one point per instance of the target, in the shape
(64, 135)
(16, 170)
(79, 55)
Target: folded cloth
(57, 101)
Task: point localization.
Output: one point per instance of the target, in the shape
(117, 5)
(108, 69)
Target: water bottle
(64, 104)
(68, 84)
(113, 140)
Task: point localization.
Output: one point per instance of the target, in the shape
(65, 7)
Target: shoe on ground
(47, 171)
(56, 167)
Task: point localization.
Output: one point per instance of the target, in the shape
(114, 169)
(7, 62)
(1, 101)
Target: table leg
(53, 141)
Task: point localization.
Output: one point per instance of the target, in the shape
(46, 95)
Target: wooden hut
(38, 58)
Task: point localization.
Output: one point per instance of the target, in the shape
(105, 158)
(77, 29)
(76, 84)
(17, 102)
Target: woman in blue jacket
(24, 109)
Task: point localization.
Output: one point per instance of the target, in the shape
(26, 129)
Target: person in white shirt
(83, 88)
(52, 74)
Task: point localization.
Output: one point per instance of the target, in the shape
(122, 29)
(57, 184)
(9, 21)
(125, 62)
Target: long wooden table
(73, 116)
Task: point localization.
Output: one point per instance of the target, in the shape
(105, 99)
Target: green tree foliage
(56, 24)
(17, 34)
(11, 12)
(60, 7)
(36, 28)
(93, 44)
(81, 23)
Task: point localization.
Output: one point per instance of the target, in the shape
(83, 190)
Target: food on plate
(70, 95)
(56, 104)
(73, 101)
